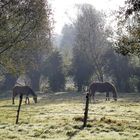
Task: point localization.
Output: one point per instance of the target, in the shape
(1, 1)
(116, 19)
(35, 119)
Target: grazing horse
(103, 87)
(24, 90)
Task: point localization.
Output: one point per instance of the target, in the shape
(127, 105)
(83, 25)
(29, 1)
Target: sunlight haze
(64, 10)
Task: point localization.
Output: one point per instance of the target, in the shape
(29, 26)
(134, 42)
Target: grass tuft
(60, 117)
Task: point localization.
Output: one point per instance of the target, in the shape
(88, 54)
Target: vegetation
(95, 56)
(25, 38)
(121, 69)
(59, 116)
(81, 69)
(88, 52)
(128, 33)
(55, 72)
(90, 38)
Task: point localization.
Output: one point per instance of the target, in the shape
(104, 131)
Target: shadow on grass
(60, 97)
(5, 106)
(73, 134)
(65, 96)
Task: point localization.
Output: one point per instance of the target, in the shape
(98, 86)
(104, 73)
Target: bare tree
(91, 37)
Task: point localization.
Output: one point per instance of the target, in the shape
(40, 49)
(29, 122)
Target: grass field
(59, 116)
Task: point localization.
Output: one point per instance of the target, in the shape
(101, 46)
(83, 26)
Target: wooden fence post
(20, 101)
(86, 110)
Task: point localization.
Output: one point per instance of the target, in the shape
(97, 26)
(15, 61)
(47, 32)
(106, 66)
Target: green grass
(59, 116)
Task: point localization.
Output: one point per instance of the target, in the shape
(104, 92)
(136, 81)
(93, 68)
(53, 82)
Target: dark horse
(24, 90)
(103, 87)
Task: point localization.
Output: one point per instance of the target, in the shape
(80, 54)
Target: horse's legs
(114, 96)
(89, 98)
(13, 97)
(28, 101)
(93, 94)
(107, 96)
(13, 100)
(93, 99)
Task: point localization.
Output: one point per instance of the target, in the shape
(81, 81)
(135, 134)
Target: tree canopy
(128, 33)
(25, 32)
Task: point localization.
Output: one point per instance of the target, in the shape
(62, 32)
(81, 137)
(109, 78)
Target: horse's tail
(115, 96)
(13, 95)
(14, 91)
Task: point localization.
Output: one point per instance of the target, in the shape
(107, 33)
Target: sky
(64, 11)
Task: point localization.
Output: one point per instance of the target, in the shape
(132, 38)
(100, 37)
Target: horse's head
(35, 98)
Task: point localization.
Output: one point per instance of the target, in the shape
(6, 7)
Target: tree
(66, 44)
(82, 69)
(54, 71)
(119, 69)
(132, 6)
(26, 55)
(18, 19)
(40, 44)
(128, 32)
(90, 40)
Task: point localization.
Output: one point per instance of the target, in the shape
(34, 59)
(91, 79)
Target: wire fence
(66, 113)
(7, 108)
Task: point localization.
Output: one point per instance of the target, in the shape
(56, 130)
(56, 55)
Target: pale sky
(64, 10)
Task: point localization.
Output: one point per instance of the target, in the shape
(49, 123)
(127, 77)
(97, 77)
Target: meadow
(59, 116)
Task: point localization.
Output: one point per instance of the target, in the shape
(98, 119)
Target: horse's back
(21, 90)
(101, 86)
(109, 85)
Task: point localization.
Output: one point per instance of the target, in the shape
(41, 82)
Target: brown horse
(24, 90)
(103, 87)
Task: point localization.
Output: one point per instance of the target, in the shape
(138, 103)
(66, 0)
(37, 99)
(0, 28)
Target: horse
(103, 87)
(24, 90)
